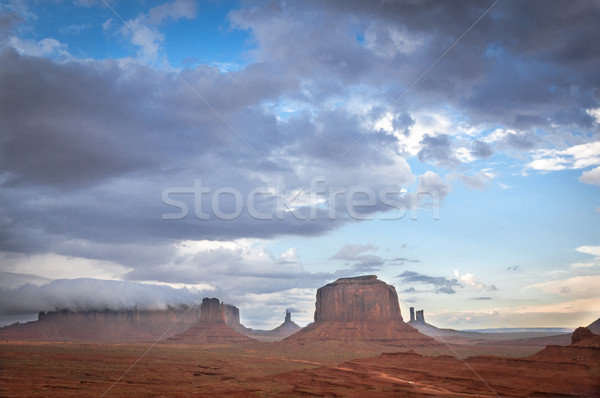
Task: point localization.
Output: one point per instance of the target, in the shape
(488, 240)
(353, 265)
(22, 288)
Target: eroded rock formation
(125, 325)
(104, 325)
(581, 333)
(360, 309)
(219, 323)
(363, 298)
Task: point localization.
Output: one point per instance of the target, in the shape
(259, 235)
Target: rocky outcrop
(420, 316)
(363, 298)
(231, 314)
(211, 311)
(104, 325)
(219, 323)
(122, 326)
(581, 333)
(360, 309)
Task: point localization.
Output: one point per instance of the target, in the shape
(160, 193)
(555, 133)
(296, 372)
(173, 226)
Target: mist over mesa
(330, 139)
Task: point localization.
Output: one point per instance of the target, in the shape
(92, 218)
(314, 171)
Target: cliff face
(361, 309)
(210, 311)
(121, 326)
(219, 324)
(363, 298)
(231, 314)
(104, 326)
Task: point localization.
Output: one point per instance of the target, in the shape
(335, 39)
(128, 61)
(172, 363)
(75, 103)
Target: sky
(154, 153)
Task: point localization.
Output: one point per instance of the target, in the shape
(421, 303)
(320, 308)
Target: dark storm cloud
(481, 150)
(87, 147)
(437, 150)
(515, 67)
(440, 284)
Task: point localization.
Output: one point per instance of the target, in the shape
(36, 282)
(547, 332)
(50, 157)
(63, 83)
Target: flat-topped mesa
(362, 309)
(362, 298)
(214, 311)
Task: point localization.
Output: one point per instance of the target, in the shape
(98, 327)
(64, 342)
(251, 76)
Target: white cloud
(591, 250)
(591, 177)
(595, 113)
(575, 157)
(471, 280)
(55, 266)
(498, 135)
(146, 35)
(47, 47)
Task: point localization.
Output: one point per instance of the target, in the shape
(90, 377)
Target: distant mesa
(287, 328)
(103, 325)
(215, 326)
(133, 325)
(360, 309)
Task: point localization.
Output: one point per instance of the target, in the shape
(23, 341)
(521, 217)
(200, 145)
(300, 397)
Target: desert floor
(270, 369)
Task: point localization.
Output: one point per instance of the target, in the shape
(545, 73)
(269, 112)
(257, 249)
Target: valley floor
(271, 369)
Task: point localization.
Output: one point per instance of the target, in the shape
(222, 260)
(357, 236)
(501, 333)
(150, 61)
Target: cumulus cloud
(591, 177)
(575, 157)
(471, 280)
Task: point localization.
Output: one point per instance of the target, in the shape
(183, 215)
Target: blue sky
(453, 149)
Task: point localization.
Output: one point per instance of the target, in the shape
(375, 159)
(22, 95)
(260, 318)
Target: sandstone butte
(361, 309)
(214, 326)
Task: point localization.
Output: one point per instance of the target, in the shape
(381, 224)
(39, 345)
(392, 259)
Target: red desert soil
(267, 369)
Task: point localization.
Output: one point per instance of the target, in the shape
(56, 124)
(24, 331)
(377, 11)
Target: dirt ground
(270, 369)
